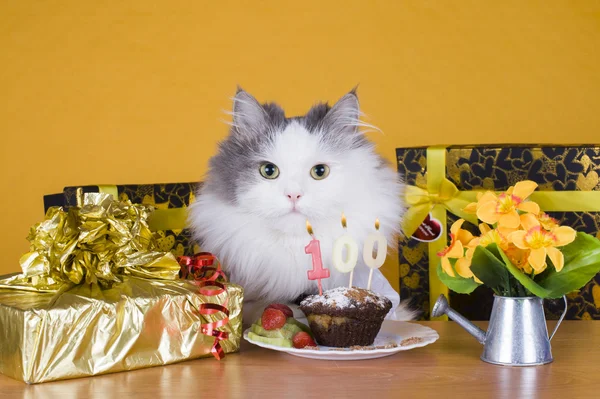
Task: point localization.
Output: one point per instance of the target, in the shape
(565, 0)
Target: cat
(272, 174)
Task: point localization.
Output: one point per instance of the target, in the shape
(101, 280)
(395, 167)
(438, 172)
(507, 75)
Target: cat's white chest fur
(270, 264)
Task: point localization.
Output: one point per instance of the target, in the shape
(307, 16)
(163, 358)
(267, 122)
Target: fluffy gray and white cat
(271, 175)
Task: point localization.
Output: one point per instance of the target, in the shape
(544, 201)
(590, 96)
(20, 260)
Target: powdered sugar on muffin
(344, 297)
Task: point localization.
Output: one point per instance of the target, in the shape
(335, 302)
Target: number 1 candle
(377, 262)
(314, 248)
(347, 242)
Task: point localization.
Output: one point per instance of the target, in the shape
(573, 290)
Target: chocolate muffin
(344, 317)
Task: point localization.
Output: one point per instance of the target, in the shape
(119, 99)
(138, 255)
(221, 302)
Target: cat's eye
(269, 170)
(319, 172)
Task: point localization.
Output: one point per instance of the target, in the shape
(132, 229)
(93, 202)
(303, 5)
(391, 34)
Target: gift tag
(429, 231)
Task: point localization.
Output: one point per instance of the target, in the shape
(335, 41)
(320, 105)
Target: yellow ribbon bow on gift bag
(441, 196)
(421, 202)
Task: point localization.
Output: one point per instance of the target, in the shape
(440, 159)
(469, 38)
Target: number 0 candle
(379, 259)
(346, 242)
(314, 248)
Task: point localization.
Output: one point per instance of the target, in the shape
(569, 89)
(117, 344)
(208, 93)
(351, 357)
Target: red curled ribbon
(201, 268)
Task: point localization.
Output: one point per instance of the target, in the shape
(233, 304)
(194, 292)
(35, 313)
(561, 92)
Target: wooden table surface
(446, 369)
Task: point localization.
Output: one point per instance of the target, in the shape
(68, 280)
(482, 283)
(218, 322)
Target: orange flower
(542, 243)
(472, 207)
(463, 267)
(491, 236)
(487, 237)
(546, 221)
(456, 250)
(503, 208)
(518, 257)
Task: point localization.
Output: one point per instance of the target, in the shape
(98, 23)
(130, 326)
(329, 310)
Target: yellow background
(134, 91)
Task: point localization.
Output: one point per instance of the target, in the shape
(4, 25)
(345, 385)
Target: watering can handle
(562, 316)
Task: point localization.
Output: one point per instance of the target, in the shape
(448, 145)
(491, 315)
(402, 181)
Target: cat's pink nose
(294, 197)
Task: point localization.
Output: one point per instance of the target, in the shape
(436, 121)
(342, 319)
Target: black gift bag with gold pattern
(571, 170)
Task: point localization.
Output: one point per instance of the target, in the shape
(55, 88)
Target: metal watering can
(517, 334)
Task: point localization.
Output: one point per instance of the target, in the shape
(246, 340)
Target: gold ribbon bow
(97, 242)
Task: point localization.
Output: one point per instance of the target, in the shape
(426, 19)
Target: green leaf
(582, 263)
(522, 278)
(457, 284)
(490, 269)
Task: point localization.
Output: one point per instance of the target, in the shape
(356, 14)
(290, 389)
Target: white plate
(391, 332)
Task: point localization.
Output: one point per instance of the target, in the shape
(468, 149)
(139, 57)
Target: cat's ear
(249, 117)
(343, 117)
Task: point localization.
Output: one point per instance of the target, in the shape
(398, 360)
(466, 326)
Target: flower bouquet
(524, 256)
(520, 251)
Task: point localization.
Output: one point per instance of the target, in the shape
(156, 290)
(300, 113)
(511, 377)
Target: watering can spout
(442, 307)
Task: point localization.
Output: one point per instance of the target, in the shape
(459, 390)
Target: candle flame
(309, 228)
(377, 224)
(343, 220)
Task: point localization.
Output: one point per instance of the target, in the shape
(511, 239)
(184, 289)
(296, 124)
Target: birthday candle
(347, 242)
(314, 248)
(378, 261)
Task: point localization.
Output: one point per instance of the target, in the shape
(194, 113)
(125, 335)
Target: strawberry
(303, 339)
(284, 308)
(272, 319)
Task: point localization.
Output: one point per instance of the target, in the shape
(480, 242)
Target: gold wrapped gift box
(96, 296)
(85, 331)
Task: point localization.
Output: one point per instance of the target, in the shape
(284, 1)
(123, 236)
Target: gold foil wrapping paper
(96, 297)
(84, 331)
